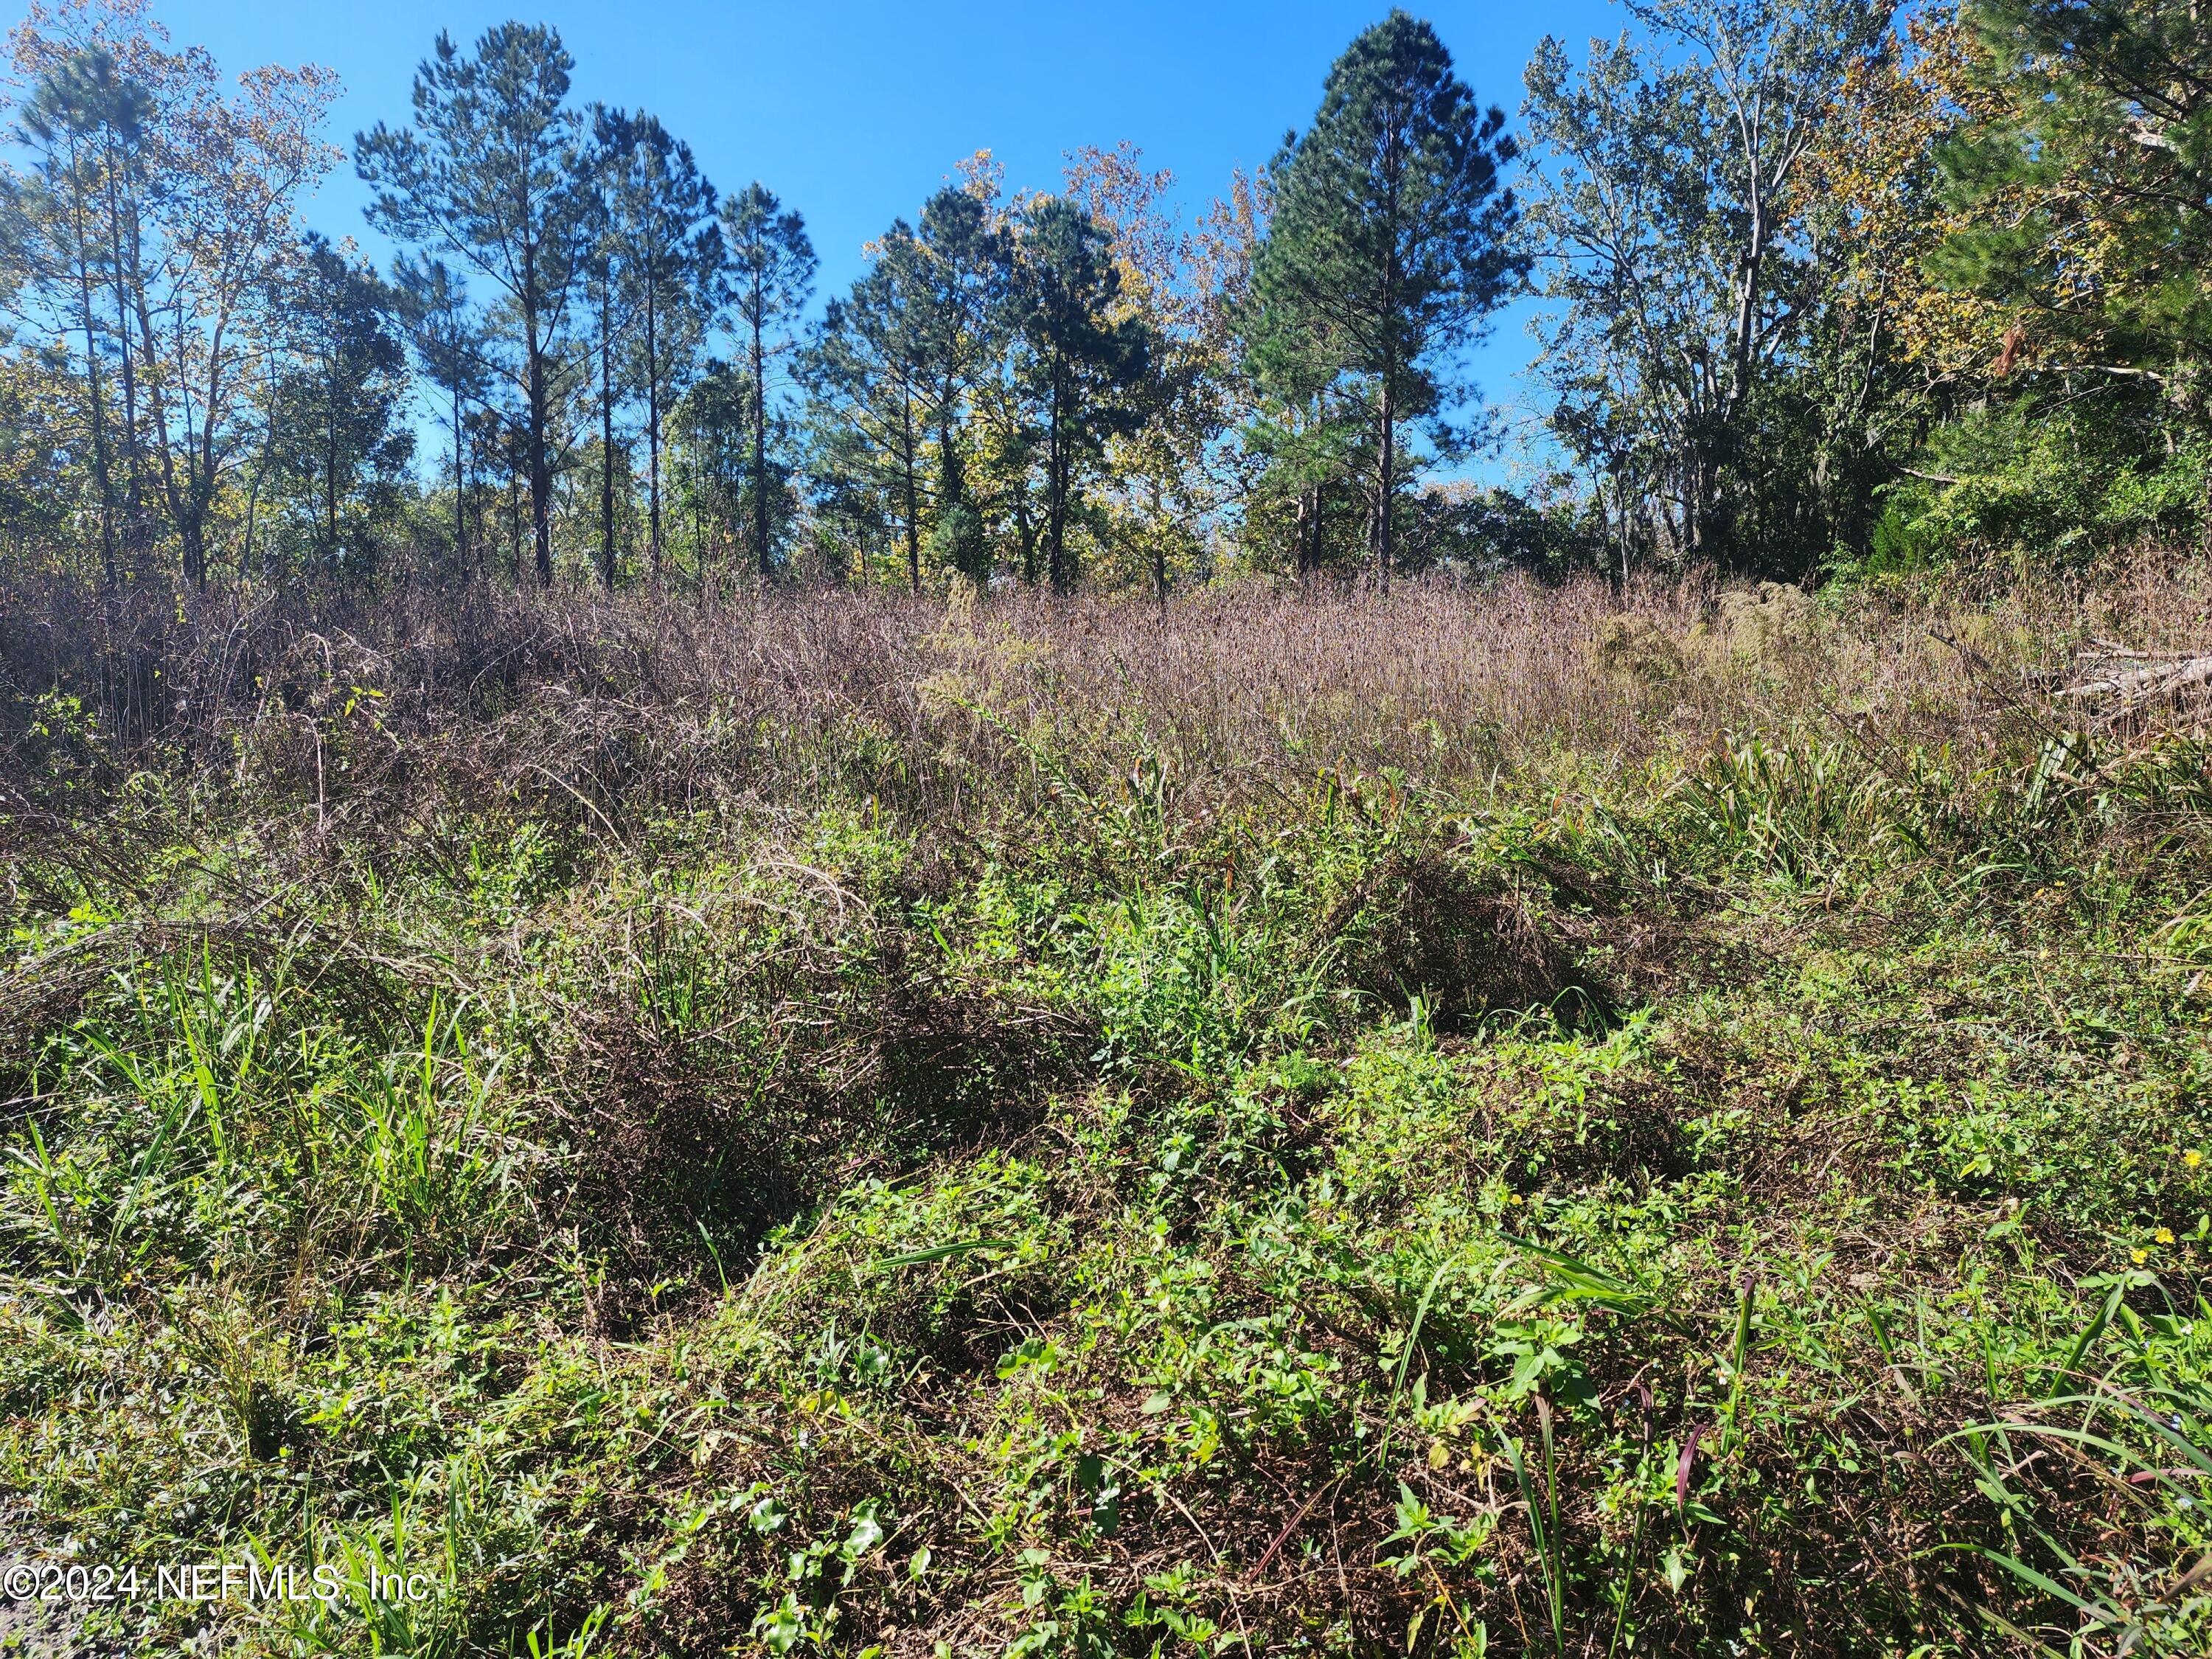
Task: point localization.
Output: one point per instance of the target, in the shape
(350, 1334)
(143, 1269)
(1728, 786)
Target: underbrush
(1554, 1123)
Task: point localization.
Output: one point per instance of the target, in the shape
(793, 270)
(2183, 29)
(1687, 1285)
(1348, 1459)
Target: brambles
(1271, 1122)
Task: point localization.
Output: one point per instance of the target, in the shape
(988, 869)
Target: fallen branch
(2137, 687)
(2102, 650)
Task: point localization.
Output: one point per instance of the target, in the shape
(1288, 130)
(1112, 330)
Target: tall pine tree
(1390, 236)
(1084, 368)
(664, 217)
(83, 125)
(962, 268)
(869, 363)
(770, 273)
(487, 174)
(2087, 191)
(336, 421)
(606, 267)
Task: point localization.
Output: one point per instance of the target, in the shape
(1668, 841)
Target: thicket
(1548, 1120)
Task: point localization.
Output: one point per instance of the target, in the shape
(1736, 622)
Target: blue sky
(854, 113)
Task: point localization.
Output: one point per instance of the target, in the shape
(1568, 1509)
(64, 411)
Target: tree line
(1820, 285)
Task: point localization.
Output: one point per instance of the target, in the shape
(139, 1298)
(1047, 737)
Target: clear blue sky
(853, 111)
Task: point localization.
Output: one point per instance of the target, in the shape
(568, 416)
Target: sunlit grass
(1511, 1122)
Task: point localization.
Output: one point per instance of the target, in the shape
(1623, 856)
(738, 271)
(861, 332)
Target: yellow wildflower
(2192, 1159)
(2140, 1257)
(2164, 1235)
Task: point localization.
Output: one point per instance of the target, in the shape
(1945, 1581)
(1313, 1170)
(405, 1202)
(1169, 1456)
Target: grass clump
(1278, 1125)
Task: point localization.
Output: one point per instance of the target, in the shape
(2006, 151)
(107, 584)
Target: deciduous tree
(1675, 231)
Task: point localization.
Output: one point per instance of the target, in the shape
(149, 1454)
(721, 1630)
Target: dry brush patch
(1242, 687)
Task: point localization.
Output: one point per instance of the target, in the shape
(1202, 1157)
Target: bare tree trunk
(1386, 480)
(96, 399)
(134, 497)
(1025, 527)
(760, 444)
(606, 436)
(1386, 456)
(913, 506)
(1159, 551)
(653, 429)
(330, 483)
(183, 498)
(461, 487)
(541, 470)
(253, 489)
(1055, 497)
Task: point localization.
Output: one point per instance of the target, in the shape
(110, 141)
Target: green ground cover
(958, 1172)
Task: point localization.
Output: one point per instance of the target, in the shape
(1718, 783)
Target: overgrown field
(1535, 1121)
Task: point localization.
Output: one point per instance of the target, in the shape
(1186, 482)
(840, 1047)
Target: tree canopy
(1817, 286)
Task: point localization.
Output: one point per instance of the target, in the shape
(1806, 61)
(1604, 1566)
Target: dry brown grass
(394, 708)
(1232, 676)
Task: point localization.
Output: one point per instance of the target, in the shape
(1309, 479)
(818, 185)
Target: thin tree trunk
(331, 484)
(541, 470)
(952, 471)
(461, 487)
(97, 400)
(1026, 527)
(245, 547)
(187, 505)
(1386, 455)
(1387, 479)
(1055, 497)
(192, 535)
(134, 499)
(1159, 551)
(253, 490)
(653, 430)
(760, 442)
(951, 476)
(913, 506)
(606, 436)
(540, 477)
